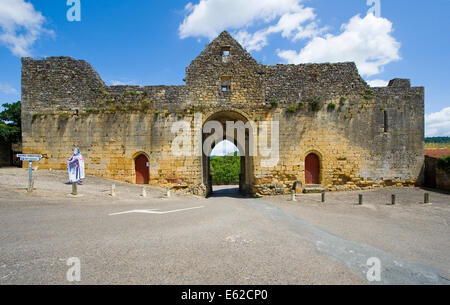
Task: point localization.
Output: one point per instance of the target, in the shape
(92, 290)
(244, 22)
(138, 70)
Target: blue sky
(151, 42)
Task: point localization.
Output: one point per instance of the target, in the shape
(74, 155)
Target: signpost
(30, 159)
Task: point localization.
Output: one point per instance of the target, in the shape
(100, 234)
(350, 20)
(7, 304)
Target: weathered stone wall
(365, 137)
(442, 179)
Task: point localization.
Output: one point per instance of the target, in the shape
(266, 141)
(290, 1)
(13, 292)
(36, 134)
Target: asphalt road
(225, 239)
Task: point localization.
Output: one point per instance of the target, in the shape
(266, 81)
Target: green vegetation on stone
(315, 104)
(292, 109)
(274, 103)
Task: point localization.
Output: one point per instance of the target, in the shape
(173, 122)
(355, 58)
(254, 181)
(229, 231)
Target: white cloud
(224, 148)
(378, 83)
(209, 17)
(366, 41)
(438, 123)
(7, 89)
(290, 25)
(20, 26)
(120, 83)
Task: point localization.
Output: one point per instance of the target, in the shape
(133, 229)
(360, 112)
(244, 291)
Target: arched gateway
(237, 129)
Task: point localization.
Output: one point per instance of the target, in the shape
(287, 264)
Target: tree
(225, 169)
(10, 123)
(444, 164)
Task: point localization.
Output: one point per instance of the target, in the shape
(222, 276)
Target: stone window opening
(226, 51)
(386, 121)
(225, 84)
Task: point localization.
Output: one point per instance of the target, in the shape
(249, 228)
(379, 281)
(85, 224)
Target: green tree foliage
(444, 164)
(225, 169)
(438, 140)
(10, 123)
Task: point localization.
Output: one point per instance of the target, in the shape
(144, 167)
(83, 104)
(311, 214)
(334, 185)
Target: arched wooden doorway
(142, 169)
(312, 169)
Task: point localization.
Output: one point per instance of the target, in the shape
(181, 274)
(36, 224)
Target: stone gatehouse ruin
(334, 130)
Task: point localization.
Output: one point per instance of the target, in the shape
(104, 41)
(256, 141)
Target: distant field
(437, 145)
(437, 142)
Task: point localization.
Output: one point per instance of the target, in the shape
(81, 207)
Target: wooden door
(142, 170)
(312, 169)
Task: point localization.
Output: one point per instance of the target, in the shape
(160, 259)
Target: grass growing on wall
(225, 170)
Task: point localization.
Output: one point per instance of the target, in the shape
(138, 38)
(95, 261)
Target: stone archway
(142, 169)
(243, 143)
(312, 169)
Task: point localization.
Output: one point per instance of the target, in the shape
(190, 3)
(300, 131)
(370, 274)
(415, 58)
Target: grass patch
(315, 104)
(91, 111)
(331, 106)
(369, 94)
(291, 109)
(274, 103)
(64, 116)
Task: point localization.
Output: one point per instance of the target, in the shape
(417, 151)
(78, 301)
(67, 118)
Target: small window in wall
(226, 54)
(226, 51)
(226, 84)
(386, 121)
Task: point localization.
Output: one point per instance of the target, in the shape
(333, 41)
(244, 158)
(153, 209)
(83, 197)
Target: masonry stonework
(364, 137)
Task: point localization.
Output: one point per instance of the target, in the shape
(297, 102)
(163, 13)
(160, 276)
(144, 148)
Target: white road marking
(154, 211)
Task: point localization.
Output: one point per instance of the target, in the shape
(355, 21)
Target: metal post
(144, 192)
(113, 190)
(426, 198)
(293, 196)
(30, 177)
(361, 199)
(168, 192)
(74, 189)
(393, 199)
(323, 197)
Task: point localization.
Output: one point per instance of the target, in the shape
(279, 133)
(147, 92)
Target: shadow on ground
(227, 191)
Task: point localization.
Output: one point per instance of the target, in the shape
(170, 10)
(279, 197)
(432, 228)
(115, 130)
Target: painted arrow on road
(154, 211)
